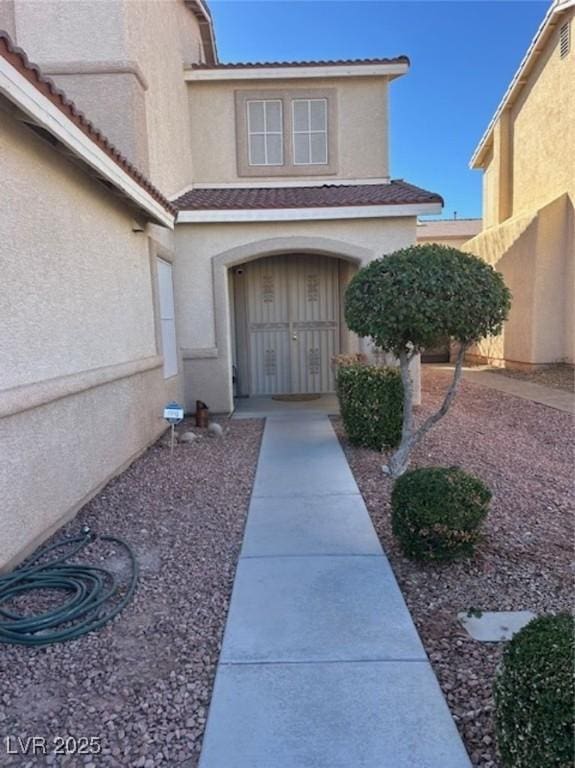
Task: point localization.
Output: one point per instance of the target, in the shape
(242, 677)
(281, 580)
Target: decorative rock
(215, 430)
(187, 437)
(494, 626)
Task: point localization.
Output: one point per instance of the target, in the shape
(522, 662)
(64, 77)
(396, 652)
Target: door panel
(268, 325)
(314, 313)
(293, 323)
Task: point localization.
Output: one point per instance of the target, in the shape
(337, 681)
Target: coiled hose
(96, 596)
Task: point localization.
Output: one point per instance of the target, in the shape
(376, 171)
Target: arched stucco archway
(243, 254)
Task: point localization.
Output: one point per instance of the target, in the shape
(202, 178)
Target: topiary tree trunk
(399, 461)
(409, 300)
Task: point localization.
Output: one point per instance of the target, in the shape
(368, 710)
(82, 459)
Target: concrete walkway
(560, 399)
(321, 665)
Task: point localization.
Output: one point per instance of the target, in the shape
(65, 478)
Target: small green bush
(437, 512)
(535, 696)
(371, 404)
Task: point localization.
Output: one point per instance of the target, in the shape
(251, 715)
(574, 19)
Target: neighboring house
(452, 232)
(279, 176)
(527, 156)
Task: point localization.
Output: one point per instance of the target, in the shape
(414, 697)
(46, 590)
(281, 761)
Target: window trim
(289, 167)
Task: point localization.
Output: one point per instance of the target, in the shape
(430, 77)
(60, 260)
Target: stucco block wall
(204, 253)
(535, 255)
(362, 126)
(81, 383)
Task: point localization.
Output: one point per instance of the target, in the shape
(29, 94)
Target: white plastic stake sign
(173, 414)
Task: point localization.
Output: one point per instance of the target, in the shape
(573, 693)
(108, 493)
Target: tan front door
(292, 318)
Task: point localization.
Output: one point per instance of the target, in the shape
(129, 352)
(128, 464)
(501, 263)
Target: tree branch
(447, 400)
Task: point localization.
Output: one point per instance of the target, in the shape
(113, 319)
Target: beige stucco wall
(362, 126)
(543, 121)
(163, 36)
(535, 255)
(81, 383)
(204, 252)
(531, 157)
(122, 62)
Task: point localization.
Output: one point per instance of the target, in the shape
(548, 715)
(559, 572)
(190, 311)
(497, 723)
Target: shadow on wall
(534, 253)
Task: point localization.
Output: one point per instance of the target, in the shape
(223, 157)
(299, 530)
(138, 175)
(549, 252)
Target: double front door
(290, 319)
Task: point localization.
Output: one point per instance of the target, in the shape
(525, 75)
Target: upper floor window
(265, 131)
(310, 131)
(286, 132)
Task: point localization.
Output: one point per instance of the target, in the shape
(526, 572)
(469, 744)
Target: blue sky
(463, 54)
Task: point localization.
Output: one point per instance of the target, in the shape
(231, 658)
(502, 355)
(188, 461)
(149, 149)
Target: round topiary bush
(437, 512)
(411, 300)
(535, 696)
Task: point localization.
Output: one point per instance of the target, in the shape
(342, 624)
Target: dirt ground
(524, 452)
(141, 685)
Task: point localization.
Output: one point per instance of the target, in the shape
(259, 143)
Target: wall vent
(564, 40)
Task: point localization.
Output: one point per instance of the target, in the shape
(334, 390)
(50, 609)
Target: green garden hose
(95, 596)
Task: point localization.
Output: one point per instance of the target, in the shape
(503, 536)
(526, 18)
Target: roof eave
(389, 71)
(237, 215)
(204, 17)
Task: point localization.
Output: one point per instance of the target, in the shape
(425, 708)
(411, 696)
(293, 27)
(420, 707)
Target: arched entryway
(227, 373)
(288, 323)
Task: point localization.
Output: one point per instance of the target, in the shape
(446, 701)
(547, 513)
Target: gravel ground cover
(556, 376)
(524, 452)
(142, 684)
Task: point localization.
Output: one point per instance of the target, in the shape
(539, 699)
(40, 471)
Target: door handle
(294, 337)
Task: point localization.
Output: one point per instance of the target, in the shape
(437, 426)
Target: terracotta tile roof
(19, 60)
(326, 63)
(397, 192)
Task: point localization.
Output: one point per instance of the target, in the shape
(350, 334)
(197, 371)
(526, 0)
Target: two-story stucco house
(195, 244)
(527, 156)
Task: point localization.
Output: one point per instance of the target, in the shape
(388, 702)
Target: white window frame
(164, 271)
(265, 133)
(311, 131)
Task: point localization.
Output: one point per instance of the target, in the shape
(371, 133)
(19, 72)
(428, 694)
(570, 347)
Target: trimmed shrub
(371, 403)
(437, 512)
(535, 696)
